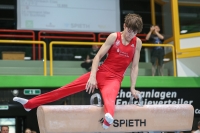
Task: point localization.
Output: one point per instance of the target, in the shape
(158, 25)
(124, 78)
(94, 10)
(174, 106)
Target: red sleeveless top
(119, 56)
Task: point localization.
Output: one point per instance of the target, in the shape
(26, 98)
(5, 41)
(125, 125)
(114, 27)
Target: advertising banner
(163, 96)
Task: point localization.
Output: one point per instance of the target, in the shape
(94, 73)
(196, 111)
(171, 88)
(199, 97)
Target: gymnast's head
(132, 25)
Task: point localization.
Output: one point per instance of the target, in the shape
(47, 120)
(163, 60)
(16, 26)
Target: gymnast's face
(129, 34)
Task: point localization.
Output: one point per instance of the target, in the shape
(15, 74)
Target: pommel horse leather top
(128, 118)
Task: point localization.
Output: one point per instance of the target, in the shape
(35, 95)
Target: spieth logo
(127, 122)
(132, 45)
(101, 120)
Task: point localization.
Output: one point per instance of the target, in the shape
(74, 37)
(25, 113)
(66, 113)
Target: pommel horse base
(128, 118)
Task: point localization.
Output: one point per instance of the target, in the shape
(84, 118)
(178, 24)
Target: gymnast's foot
(108, 121)
(22, 101)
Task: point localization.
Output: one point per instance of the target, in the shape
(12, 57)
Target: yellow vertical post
(51, 58)
(175, 24)
(174, 61)
(45, 58)
(153, 18)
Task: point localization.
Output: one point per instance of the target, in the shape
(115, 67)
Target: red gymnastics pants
(108, 83)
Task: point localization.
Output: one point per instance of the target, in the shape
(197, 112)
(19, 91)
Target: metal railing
(103, 36)
(66, 43)
(18, 34)
(68, 36)
(100, 43)
(29, 43)
(173, 53)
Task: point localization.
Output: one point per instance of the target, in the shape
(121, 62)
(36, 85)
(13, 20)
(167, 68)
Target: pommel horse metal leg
(96, 95)
(128, 118)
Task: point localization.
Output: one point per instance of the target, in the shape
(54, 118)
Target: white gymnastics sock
(22, 101)
(109, 119)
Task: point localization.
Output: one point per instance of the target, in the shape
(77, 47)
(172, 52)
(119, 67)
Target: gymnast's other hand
(91, 84)
(135, 93)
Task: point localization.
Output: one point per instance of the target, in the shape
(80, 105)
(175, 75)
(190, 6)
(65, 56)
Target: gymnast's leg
(69, 89)
(109, 93)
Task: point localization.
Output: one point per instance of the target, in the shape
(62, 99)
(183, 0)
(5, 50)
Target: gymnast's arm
(134, 68)
(92, 83)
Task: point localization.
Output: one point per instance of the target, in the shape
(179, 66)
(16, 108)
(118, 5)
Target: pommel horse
(128, 118)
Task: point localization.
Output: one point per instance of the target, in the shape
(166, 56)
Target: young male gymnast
(122, 49)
